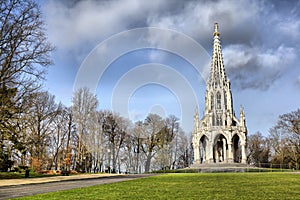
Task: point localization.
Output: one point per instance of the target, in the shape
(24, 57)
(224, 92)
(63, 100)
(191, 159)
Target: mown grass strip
(192, 186)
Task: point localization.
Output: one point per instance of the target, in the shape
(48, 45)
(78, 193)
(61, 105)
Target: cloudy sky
(142, 56)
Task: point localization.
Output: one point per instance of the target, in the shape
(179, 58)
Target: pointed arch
(203, 144)
(220, 149)
(236, 144)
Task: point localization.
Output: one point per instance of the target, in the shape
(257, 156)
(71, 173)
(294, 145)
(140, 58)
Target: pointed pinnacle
(216, 32)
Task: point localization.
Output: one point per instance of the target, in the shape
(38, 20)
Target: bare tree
(41, 117)
(259, 150)
(24, 47)
(60, 140)
(125, 129)
(134, 147)
(70, 131)
(167, 155)
(129, 155)
(84, 112)
(24, 56)
(285, 138)
(182, 150)
(172, 123)
(154, 132)
(115, 129)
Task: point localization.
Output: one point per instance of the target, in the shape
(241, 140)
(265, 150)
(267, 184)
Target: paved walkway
(10, 182)
(32, 186)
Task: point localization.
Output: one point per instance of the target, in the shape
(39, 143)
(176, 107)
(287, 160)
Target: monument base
(221, 167)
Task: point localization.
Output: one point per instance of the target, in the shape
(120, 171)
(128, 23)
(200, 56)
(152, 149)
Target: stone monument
(219, 136)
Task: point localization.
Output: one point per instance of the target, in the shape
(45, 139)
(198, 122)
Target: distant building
(219, 136)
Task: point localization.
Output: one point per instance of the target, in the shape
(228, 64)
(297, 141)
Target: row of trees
(281, 147)
(106, 139)
(53, 136)
(48, 135)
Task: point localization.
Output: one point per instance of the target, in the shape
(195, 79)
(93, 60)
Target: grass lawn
(192, 186)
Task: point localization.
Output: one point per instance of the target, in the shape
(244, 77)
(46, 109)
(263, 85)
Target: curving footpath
(12, 188)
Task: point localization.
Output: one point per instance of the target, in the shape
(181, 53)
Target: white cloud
(197, 18)
(256, 67)
(291, 28)
(237, 56)
(276, 59)
(89, 21)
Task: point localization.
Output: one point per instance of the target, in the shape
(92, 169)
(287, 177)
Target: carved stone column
(196, 154)
(224, 150)
(217, 156)
(244, 158)
(210, 149)
(230, 154)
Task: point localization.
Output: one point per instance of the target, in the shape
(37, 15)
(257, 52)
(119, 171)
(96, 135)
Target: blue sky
(260, 43)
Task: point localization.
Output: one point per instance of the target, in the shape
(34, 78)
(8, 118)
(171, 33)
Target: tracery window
(225, 100)
(211, 101)
(218, 100)
(219, 120)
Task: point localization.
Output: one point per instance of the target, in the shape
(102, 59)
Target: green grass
(192, 186)
(195, 170)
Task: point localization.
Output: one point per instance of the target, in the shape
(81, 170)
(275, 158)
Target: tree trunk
(67, 156)
(114, 164)
(148, 162)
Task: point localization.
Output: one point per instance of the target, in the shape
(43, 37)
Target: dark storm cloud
(257, 68)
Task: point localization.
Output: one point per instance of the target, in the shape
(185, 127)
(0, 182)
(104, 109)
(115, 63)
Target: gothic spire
(217, 71)
(219, 134)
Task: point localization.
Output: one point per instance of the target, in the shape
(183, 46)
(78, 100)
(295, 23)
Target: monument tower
(219, 136)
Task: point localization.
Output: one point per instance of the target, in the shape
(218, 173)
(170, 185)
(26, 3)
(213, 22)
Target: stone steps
(220, 167)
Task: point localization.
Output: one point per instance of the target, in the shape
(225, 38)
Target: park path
(44, 186)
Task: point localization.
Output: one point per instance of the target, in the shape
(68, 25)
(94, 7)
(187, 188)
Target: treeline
(281, 147)
(51, 136)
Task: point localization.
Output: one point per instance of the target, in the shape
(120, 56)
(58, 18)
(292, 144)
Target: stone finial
(242, 116)
(196, 113)
(196, 119)
(242, 113)
(216, 32)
